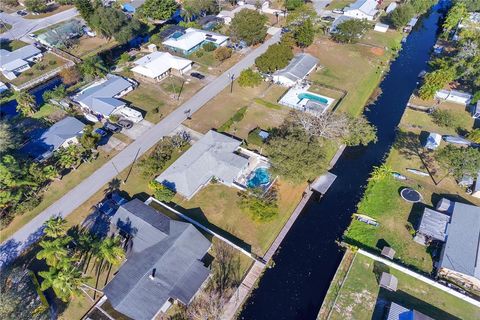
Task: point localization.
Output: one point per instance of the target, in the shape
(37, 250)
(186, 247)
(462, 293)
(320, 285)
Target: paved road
(320, 5)
(10, 248)
(22, 27)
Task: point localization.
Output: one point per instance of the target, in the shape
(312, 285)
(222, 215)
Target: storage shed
(433, 141)
(381, 27)
(388, 281)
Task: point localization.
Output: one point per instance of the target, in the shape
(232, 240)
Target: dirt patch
(378, 51)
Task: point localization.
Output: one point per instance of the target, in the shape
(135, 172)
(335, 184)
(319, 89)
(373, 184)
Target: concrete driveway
(138, 129)
(30, 232)
(21, 27)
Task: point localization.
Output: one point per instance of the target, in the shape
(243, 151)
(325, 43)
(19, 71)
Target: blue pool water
(258, 178)
(314, 97)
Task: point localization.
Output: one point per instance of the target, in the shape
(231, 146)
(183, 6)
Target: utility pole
(231, 76)
(181, 88)
(131, 166)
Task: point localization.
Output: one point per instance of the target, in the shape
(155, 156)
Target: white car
(338, 11)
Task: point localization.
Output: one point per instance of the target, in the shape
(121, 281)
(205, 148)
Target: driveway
(29, 233)
(138, 129)
(21, 27)
(320, 5)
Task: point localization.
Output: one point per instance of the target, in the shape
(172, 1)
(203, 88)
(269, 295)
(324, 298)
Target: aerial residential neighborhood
(217, 159)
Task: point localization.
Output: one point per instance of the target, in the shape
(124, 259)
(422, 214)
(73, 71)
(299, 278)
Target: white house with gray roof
(212, 156)
(101, 97)
(362, 9)
(296, 71)
(460, 258)
(12, 63)
(164, 262)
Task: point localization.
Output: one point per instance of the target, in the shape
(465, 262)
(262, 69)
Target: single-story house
(296, 71)
(454, 96)
(60, 135)
(12, 63)
(399, 312)
(193, 39)
(158, 65)
(381, 27)
(58, 36)
(132, 6)
(460, 257)
(362, 9)
(212, 156)
(100, 98)
(164, 262)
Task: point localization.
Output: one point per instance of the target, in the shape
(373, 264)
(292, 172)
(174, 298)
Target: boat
(418, 172)
(398, 176)
(91, 117)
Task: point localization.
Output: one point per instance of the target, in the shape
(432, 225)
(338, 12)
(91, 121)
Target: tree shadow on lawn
(408, 301)
(198, 215)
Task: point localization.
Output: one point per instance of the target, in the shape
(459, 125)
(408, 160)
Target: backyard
(89, 46)
(369, 62)
(361, 298)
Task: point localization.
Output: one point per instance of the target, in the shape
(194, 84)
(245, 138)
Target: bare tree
(225, 267)
(208, 305)
(327, 125)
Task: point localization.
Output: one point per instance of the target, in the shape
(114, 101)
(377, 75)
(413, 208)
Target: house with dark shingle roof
(60, 135)
(164, 262)
(460, 258)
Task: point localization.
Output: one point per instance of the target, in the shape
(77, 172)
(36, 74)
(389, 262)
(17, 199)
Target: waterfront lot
(89, 46)
(361, 298)
(355, 68)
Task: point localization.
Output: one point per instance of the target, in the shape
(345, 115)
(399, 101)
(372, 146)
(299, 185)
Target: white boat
(418, 172)
(90, 117)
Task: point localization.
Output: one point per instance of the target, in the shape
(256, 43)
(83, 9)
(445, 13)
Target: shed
(445, 205)
(381, 27)
(263, 134)
(388, 252)
(433, 141)
(388, 281)
(433, 225)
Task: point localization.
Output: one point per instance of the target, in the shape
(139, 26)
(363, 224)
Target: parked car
(101, 132)
(112, 127)
(197, 75)
(22, 13)
(338, 11)
(328, 18)
(124, 123)
(32, 35)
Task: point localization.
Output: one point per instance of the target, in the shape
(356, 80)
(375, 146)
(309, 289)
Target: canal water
(309, 256)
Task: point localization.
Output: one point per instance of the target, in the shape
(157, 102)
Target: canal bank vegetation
(359, 296)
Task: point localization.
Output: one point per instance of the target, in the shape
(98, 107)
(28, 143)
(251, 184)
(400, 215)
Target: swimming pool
(259, 177)
(177, 34)
(314, 97)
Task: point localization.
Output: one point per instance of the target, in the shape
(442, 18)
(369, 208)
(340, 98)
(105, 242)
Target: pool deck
(291, 99)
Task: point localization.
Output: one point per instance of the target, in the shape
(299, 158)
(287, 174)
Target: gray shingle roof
(211, 156)
(398, 312)
(434, 224)
(10, 60)
(100, 98)
(172, 248)
(299, 67)
(461, 252)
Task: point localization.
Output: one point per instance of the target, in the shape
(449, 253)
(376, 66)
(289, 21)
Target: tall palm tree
(65, 282)
(188, 13)
(26, 103)
(53, 251)
(70, 157)
(55, 227)
(110, 251)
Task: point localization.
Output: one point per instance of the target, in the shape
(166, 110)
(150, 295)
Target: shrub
(237, 117)
(262, 207)
(52, 62)
(113, 118)
(199, 53)
(445, 118)
(276, 57)
(223, 53)
(209, 47)
(160, 192)
(249, 78)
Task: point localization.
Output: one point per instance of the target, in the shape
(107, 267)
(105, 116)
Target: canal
(309, 256)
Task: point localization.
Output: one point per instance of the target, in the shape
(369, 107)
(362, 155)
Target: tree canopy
(459, 161)
(350, 31)
(158, 9)
(401, 15)
(304, 34)
(249, 78)
(276, 57)
(249, 26)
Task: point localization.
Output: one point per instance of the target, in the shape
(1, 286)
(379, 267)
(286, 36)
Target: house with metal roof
(12, 63)
(60, 135)
(212, 156)
(164, 262)
(433, 226)
(101, 98)
(362, 9)
(59, 36)
(192, 39)
(296, 71)
(399, 312)
(158, 65)
(460, 257)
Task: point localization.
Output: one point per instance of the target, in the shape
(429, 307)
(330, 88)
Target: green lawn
(12, 45)
(382, 202)
(48, 111)
(358, 297)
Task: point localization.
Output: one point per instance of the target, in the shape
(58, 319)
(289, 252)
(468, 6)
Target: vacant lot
(89, 46)
(361, 298)
(356, 68)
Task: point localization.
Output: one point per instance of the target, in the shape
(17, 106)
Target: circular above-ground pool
(410, 195)
(259, 177)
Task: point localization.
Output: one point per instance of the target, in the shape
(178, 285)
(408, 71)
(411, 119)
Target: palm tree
(50, 172)
(53, 251)
(188, 13)
(26, 103)
(65, 282)
(111, 251)
(69, 157)
(55, 227)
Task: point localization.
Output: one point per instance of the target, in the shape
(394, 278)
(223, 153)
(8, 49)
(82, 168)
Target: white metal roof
(157, 63)
(193, 37)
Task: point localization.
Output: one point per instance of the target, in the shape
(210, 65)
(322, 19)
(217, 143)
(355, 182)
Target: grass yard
(49, 112)
(4, 27)
(339, 4)
(88, 46)
(215, 206)
(356, 68)
(52, 9)
(360, 297)
(48, 63)
(12, 45)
